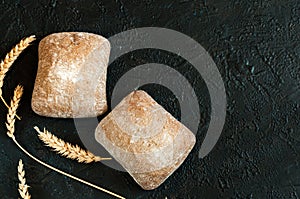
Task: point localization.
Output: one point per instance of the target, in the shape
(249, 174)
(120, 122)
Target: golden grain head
(13, 55)
(66, 149)
(10, 59)
(23, 187)
(12, 111)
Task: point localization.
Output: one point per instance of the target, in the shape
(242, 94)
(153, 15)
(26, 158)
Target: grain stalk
(23, 187)
(66, 149)
(9, 60)
(11, 130)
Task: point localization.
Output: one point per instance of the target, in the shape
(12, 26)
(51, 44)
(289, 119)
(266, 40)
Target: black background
(256, 46)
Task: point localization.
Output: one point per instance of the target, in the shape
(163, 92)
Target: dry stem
(11, 130)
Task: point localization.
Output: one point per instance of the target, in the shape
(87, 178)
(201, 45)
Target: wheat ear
(10, 132)
(23, 187)
(12, 111)
(66, 149)
(9, 60)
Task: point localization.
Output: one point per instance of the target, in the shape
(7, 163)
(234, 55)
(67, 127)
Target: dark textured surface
(256, 46)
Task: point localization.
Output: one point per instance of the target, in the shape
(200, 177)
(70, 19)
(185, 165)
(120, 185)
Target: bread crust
(145, 139)
(71, 76)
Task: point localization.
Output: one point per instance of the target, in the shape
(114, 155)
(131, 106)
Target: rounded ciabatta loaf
(71, 76)
(145, 139)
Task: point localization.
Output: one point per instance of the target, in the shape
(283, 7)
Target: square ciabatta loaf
(145, 139)
(71, 76)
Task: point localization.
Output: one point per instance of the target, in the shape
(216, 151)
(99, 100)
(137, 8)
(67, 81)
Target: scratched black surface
(256, 46)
